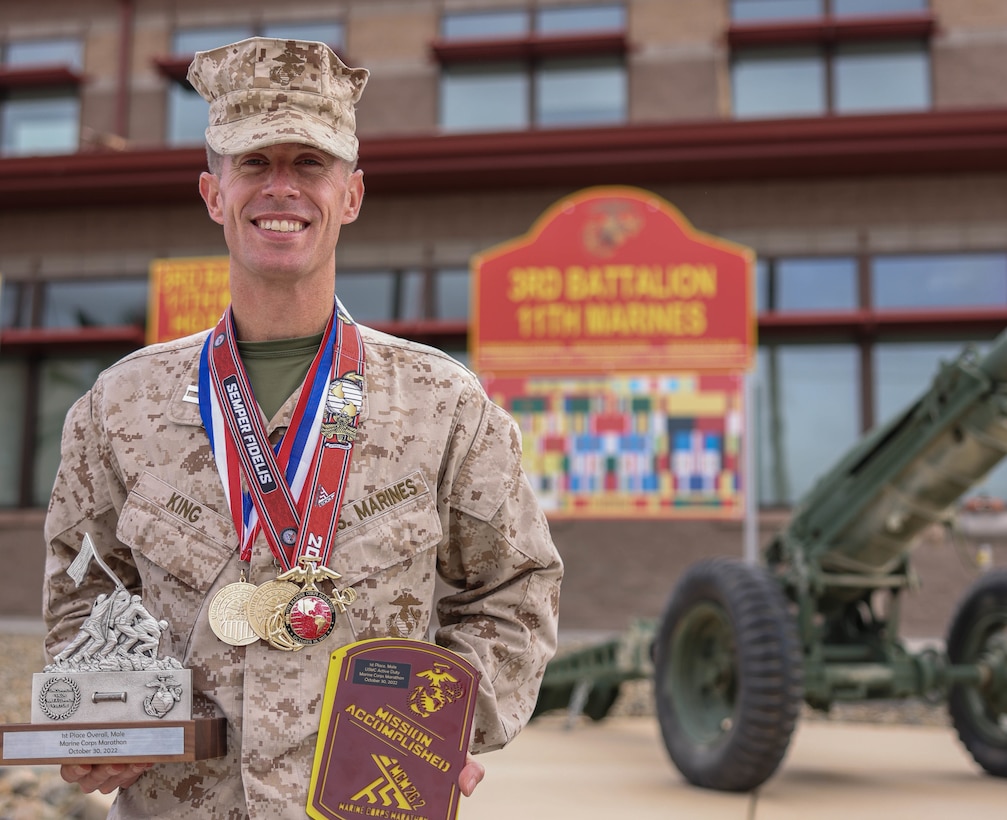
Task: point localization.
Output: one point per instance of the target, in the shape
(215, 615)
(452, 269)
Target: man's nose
(281, 181)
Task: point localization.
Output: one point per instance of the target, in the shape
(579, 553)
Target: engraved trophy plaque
(108, 696)
(394, 732)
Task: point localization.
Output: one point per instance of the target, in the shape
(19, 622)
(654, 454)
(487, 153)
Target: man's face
(282, 208)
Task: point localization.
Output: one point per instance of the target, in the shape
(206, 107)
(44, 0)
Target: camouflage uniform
(436, 486)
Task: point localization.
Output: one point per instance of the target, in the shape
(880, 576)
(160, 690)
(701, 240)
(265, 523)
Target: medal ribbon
(286, 495)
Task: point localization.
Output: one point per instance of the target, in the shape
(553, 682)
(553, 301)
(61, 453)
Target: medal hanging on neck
(293, 494)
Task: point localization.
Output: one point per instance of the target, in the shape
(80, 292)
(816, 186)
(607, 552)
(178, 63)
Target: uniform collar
(183, 407)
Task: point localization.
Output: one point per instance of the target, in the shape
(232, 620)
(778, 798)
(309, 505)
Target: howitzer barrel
(863, 515)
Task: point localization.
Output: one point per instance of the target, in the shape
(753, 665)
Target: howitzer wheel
(978, 634)
(728, 675)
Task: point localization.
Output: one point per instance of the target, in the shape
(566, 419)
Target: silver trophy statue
(111, 669)
(108, 696)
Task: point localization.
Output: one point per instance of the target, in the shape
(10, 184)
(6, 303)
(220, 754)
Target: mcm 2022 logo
(392, 789)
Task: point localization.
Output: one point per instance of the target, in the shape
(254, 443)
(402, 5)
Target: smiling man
(378, 461)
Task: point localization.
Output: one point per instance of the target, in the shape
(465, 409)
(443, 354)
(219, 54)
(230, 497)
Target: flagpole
(88, 548)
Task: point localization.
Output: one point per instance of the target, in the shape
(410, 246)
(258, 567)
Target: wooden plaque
(394, 733)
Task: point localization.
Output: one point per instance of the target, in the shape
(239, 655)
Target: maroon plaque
(394, 732)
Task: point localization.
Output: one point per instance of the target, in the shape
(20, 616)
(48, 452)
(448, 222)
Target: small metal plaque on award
(394, 732)
(108, 697)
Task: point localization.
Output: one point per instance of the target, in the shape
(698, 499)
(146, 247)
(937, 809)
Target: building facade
(858, 146)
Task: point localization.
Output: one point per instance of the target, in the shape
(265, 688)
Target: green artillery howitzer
(740, 645)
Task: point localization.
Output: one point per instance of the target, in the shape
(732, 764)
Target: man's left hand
(470, 776)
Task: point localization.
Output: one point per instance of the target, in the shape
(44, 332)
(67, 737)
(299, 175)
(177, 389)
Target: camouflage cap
(265, 91)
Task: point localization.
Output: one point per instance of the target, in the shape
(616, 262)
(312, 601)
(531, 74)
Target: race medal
(228, 614)
(266, 600)
(310, 617)
(276, 632)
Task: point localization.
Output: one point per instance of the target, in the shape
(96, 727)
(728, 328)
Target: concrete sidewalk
(618, 768)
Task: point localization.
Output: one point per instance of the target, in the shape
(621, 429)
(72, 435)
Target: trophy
(108, 697)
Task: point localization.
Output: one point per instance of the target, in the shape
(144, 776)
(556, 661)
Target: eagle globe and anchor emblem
(343, 402)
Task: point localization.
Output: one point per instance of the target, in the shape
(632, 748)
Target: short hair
(214, 161)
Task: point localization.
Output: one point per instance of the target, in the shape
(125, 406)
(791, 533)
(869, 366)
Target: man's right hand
(103, 777)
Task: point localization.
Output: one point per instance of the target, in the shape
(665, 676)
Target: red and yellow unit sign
(186, 296)
(612, 279)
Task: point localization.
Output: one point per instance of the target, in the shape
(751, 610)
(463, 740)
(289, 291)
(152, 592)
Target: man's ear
(354, 196)
(209, 189)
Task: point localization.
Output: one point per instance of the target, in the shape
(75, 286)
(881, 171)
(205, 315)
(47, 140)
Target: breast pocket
(386, 549)
(179, 545)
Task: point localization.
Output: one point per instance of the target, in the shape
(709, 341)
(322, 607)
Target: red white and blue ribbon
(284, 486)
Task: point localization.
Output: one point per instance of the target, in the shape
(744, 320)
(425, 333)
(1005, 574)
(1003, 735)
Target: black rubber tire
(980, 715)
(728, 681)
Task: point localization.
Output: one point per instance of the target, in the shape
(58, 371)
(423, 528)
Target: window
(812, 283)
(778, 82)
(851, 78)
(761, 285)
(15, 304)
(768, 10)
(41, 116)
(551, 67)
(486, 96)
(867, 8)
(452, 293)
(109, 303)
(187, 111)
(801, 392)
(485, 24)
(405, 295)
(368, 296)
(580, 92)
(745, 11)
(13, 376)
(882, 76)
(62, 382)
(812, 57)
(54, 373)
(573, 19)
(939, 280)
(885, 322)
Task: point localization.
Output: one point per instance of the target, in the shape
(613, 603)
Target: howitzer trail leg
(728, 675)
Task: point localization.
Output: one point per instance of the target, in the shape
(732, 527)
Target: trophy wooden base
(170, 741)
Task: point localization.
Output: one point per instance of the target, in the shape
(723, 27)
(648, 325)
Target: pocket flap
(176, 532)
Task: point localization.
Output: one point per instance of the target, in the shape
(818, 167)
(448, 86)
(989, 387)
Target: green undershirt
(277, 368)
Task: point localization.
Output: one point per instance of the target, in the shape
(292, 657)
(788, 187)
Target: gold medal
(276, 631)
(309, 616)
(228, 614)
(267, 599)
